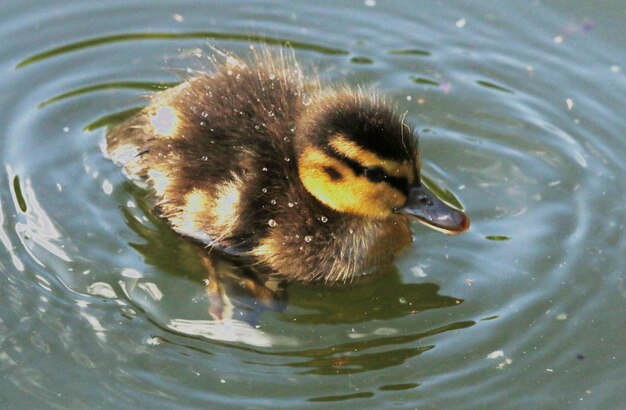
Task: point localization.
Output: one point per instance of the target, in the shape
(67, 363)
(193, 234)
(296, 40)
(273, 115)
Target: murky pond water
(520, 106)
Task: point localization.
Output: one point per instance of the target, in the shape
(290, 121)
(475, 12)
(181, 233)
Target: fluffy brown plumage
(254, 160)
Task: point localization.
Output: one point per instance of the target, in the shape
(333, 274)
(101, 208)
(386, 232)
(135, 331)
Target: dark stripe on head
(333, 173)
(400, 183)
(373, 126)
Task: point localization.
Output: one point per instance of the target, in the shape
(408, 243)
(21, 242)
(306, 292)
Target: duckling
(309, 182)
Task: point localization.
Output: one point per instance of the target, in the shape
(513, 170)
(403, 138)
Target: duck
(255, 160)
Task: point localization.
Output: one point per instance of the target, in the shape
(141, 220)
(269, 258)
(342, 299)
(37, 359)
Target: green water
(520, 108)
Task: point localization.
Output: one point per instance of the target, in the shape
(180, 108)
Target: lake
(520, 111)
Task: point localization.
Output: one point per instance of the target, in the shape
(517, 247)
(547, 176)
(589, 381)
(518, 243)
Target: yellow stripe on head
(336, 185)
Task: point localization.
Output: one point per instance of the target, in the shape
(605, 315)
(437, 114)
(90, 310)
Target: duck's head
(358, 157)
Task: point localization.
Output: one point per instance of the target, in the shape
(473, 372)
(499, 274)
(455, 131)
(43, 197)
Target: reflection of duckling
(312, 183)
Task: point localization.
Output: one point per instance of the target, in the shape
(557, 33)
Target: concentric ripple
(519, 112)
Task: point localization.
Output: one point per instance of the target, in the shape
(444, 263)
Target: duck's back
(215, 140)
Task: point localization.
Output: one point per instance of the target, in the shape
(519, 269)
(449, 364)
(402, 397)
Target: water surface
(520, 110)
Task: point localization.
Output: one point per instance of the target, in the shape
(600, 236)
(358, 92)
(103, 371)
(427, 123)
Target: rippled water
(520, 107)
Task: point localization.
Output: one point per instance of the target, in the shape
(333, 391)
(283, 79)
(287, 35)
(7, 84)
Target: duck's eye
(333, 173)
(375, 174)
(424, 200)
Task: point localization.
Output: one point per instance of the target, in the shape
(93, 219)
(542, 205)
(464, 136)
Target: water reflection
(34, 227)
(205, 35)
(342, 397)
(116, 85)
(349, 358)
(8, 245)
(384, 298)
(222, 301)
(114, 118)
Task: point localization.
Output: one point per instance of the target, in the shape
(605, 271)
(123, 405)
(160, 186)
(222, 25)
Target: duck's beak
(426, 208)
